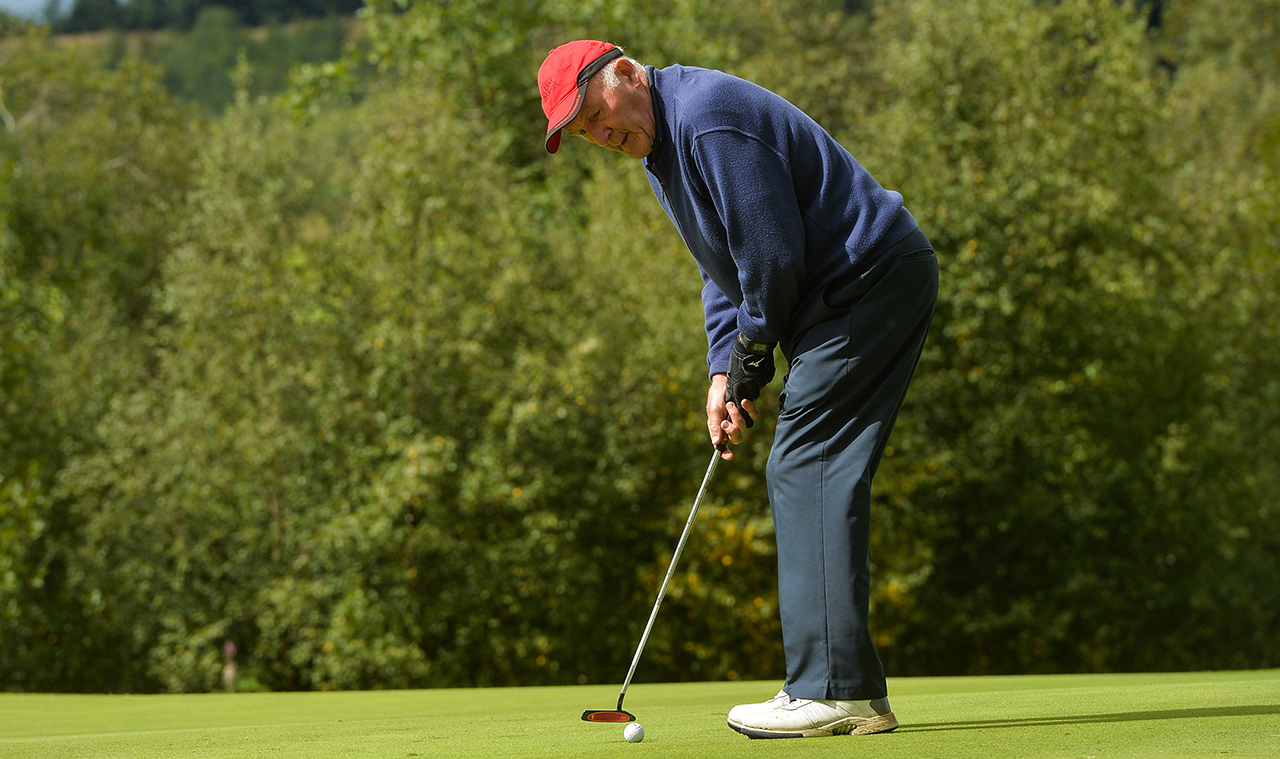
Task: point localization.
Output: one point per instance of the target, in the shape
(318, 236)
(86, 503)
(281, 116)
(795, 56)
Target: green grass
(1234, 714)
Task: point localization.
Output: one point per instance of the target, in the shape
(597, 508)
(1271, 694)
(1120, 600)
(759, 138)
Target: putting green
(1234, 714)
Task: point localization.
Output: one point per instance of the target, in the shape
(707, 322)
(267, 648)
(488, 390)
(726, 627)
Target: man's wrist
(754, 347)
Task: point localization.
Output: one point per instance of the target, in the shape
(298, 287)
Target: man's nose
(598, 133)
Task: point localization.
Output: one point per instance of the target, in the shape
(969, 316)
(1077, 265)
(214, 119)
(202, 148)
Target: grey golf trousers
(852, 356)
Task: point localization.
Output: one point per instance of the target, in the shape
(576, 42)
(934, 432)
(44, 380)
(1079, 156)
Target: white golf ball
(634, 733)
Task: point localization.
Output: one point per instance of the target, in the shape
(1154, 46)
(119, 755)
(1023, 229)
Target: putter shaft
(675, 558)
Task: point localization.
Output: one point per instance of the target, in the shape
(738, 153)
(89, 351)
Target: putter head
(607, 715)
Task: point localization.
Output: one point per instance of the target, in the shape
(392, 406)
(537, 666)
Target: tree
(1063, 492)
(90, 16)
(379, 391)
(93, 170)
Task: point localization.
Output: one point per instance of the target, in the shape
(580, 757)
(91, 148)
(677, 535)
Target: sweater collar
(660, 131)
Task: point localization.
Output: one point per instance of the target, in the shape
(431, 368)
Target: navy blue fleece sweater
(772, 208)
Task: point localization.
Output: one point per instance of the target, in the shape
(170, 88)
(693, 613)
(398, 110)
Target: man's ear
(629, 71)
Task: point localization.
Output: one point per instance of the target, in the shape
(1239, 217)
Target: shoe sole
(885, 723)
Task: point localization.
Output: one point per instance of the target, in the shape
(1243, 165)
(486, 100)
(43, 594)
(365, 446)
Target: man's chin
(636, 145)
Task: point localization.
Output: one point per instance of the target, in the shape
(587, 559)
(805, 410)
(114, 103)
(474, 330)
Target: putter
(618, 715)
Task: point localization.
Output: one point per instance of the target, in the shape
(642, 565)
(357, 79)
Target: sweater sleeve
(752, 190)
(722, 325)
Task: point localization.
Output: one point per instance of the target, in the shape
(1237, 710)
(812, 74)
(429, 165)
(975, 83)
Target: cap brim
(563, 114)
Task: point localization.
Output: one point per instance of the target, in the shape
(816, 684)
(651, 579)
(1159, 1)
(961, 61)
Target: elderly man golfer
(801, 249)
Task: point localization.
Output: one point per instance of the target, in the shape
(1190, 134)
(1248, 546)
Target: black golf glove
(750, 369)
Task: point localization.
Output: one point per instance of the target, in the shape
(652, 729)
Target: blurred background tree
(197, 63)
(1074, 509)
(182, 15)
(349, 371)
(93, 166)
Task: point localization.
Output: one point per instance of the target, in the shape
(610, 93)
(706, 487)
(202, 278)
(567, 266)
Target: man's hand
(750, 369)
(726, 421)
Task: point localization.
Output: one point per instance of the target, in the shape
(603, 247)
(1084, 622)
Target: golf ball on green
(634, 733)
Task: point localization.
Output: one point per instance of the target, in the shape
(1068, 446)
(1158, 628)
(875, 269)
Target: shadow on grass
(1089, 719)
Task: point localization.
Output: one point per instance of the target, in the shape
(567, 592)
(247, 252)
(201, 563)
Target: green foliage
(199, 65)
(16, 26)
(92, 164)
(413, 456)
(90, 15)
(1064, 492)
(97, 15)
(392, 399)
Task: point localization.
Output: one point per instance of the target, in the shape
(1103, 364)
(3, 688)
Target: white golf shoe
(786, 717)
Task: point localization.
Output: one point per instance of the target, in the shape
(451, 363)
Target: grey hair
(609, 74)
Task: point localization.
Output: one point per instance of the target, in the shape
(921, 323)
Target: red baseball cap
(563, 78)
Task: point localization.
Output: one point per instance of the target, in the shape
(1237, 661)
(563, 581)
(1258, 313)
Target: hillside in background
(97, 15)
(200, 64)
(341, 366)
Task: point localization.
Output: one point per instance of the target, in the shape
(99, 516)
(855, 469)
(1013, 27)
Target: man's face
(620, 118)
